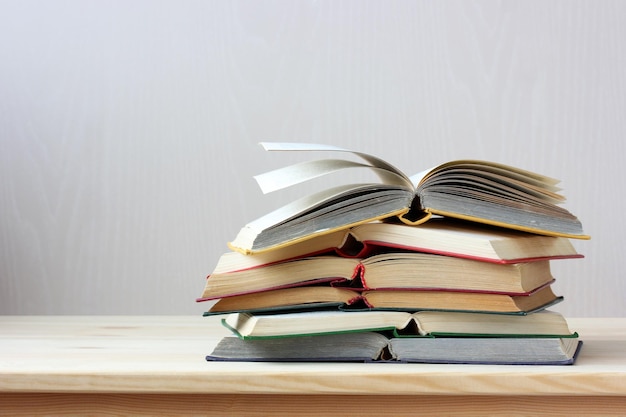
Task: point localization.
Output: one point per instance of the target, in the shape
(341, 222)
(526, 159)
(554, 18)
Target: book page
(298, 173)
(288, 176)
(530, 179)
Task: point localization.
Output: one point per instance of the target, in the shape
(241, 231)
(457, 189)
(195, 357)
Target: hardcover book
(422, 323)
(478, 191)
(390, 270)
(317, 297)
(442, 236)
(375, 347)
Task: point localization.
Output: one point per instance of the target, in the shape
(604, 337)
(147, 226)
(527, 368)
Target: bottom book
(376, 347)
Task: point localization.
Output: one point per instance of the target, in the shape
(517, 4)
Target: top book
(477, 191)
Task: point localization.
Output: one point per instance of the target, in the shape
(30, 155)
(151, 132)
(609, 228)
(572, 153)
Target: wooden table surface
(62, 364)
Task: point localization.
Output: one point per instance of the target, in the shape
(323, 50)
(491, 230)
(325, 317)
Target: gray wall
(129, 129)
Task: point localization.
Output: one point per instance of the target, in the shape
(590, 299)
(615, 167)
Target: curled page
(295, 174)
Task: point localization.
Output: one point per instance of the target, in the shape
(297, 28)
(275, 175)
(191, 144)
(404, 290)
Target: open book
(325, 297)
(375, 347)
(401, 324)
(478, 191)
(392, 270)
(440, 235)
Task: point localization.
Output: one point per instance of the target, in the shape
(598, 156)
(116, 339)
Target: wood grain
(305, 405)
(166, 355)
(154, 365)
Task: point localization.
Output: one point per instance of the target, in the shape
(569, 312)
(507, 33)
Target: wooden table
(155, 366)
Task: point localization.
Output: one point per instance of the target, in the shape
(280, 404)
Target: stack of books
(449, 266)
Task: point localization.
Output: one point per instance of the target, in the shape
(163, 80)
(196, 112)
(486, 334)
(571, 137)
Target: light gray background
(129, 129)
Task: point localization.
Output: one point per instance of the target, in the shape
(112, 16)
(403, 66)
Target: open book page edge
(314, 323)
(297, 207)
(507, 225)
(246, 251)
